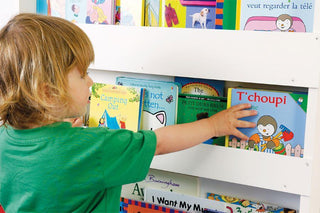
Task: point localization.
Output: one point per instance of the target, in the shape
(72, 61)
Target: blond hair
(37, 52)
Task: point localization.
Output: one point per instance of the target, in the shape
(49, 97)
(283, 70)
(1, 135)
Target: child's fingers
(246, 113)
(245, 124)
(239, 107)
(240, 135)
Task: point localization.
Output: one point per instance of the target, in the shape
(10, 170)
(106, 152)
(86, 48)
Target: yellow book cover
(115, 106)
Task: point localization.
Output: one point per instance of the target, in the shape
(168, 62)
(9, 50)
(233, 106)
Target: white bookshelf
(272, 60)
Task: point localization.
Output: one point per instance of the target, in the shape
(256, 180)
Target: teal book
(280, 123)
(160, 102)
(42, 7)
(196, 107)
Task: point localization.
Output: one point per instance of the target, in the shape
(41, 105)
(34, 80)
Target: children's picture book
(135, 206)
(163, 180)
(76, 11)
(115, 106)
(152, 17)
(280, 123)
(181, 201)
(57, 8)
(132, 12)
(117, 13)
(275, 15)
(100, 12)
(198, 86)
(42, 7)
(234, 204)
(202, 14)
(160, 102)
(196, 107)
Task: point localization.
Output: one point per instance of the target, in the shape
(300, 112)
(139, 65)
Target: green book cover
(196, 107)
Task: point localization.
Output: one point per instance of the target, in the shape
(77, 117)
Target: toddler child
(46, 165)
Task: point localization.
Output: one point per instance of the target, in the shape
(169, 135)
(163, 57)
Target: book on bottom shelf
(115, 106)
(160, 102)
(163, 180)
(196, 107)
(281, 121)
(234, 204)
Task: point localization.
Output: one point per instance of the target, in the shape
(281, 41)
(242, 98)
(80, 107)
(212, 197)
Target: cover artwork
(115, 106)
(160, 102)
(100, 12)
(275, 15)
(281, 121)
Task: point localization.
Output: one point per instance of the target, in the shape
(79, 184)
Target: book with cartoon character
(196, 107)
(132, 12)
(160, 102)
(281, 121)
(100, 12)
(275, 15)
(76, 11)
(201, 14)
(234, 204)
(115, 106)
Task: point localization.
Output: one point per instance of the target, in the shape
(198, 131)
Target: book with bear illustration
(115, 106)
(196, 107)
(281, 121)
(160, 102)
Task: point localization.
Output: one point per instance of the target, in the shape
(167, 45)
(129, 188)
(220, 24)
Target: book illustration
(160, 102)
(152, 16)
(196, 107)
(76, 10)
(57, 8)
(234, 204)
(197, 86)
(134, 206)
(100, 12)
(132, 12)
(163, 180)
(181, 201)
(280, 121)
(275, 15)
(116, 107)
(117, 13)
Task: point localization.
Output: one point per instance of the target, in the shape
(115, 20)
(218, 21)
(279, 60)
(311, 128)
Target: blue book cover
(281, 121)
(76, 11)
(42, 7)
(160, 102)
(198, 86)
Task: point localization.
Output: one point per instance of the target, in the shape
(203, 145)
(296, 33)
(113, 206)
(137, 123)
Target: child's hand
(227, 121)
(76, 122)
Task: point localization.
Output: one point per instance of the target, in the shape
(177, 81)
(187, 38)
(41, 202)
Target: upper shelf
(288, 59)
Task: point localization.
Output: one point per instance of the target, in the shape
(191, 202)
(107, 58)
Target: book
(202, 14)
(76, 11)
(163, 180)
(198, 86)
(196, 107)
(57, 8)
(152, 17)
(234, 204)
(132, 12)
(181, 201)
(160, 102)
(115, 106)
(275, 15)
(135, 206)
(281, 121)
(42, 7)
(100, 12)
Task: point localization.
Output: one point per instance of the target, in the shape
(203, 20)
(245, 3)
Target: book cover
(115, 106)
(234, 204)
(198, 86)
(196, 107)
(275, 15)
(117, 13)
(181, 201)
(202, 14)
(76, 11)
(160, 102)
(42, 7)
(152, 17)
(135, 206)
(281, 121)
(163, 180)
(132, 12)
(57, 8)
(100, 12)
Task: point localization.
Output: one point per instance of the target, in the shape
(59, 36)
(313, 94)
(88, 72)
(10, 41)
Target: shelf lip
(289, 174)
(270, 57)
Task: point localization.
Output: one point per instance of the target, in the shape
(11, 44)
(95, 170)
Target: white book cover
(132, 12)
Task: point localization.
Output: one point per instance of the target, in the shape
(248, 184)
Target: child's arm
(182, 136)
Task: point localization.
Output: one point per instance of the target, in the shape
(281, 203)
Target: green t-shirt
(57, 168)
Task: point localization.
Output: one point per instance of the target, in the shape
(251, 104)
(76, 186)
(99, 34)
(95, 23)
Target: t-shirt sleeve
(126, 156)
